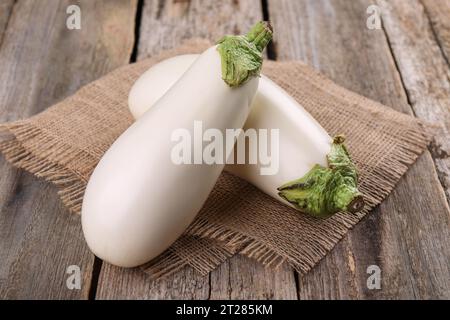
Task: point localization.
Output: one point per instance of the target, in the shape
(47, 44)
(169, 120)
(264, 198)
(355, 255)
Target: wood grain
(425, 73)
(407, 236)
(6, 7)
(438, 13)
(164, 25)
(244, 278)
(41, 62)
(120, 283)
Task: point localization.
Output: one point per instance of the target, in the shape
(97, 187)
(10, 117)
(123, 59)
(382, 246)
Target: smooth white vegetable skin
(137, 202)
(161, 82)
(303, 142)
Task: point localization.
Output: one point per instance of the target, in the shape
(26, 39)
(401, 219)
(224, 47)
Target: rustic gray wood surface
(437, 12)
(5, 12)
(165, 25)
(420, 52)
(42, 62)
(402, 235)
(404, 65)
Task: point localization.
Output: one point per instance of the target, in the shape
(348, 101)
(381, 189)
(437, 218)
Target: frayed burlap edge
(70, 185)
(377, 185)
(19, 145)
(385, 178)
(203, 255)
(21, 141)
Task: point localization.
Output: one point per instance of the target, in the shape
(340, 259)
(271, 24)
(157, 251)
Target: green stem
(260, 35)
(324, 191)
(241, 56)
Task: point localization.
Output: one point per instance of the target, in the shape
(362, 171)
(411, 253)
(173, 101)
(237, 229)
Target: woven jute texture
(64, 143)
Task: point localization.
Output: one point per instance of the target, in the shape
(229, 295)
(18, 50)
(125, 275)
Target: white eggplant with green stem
(316, 174)
(137, 201)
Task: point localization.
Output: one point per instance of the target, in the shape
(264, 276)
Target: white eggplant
(137, 201)
(315, 175)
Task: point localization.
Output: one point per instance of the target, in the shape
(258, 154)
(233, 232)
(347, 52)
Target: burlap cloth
(64, 143)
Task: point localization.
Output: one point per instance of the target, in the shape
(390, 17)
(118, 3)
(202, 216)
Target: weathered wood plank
(120, 283)
(41, 62)
(243, 278)
(164, 25)
(424, 70)
(414, 264)
(5, 12)
(407, 236)
(438, 12)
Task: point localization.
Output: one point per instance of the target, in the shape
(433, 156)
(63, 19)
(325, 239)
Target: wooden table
(404, 65)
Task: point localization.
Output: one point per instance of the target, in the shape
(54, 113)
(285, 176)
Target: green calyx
(324, 191)
(241, 56)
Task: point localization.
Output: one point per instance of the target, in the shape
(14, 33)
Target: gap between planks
(433, 29)
(212, 284)
(98, 263)
(398, 229)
